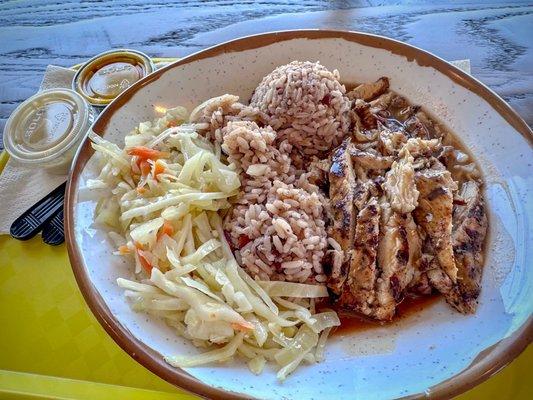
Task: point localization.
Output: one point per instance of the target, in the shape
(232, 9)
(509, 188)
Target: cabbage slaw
(162, 198)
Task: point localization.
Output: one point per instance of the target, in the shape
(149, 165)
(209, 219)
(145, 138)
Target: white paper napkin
(22, 187)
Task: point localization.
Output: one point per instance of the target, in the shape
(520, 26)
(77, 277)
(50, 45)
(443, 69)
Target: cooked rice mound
(214, 114)
(277, 228)
(252, 149)
(306, 104)
(298, 112)
(282, 239)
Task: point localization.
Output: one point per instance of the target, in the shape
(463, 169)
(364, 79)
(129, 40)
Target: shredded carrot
(138, 245)
(159, 168)
(172, 124)
(124, 249)
(145, 168)
(144, 262)
(146, 153)
(243, 327)
(166, 229)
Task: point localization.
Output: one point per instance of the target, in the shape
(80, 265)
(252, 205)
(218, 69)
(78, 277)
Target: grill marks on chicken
(375, 273)
(370, 159)
(470, 227)
(404, 227)
(359, 293)
(393, 255)
(342, 190)
(366, 119)
(434, 213)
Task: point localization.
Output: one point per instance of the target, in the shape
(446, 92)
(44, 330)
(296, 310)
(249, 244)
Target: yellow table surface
(52, 347)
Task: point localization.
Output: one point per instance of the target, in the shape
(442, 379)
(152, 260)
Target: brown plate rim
(490, 361)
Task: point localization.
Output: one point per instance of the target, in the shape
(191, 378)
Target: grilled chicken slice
(390, 102)
(369, 160)
(369, 91)
(343, 211)
(420, 284)
(436, 276)
(364, 118)
(422, 147)
(420, 125)
(390, 142)
(414, 241)
(400, 186)
(349, 190)
(469, 231)
(359, 294)
(434, 213)
(393, 257)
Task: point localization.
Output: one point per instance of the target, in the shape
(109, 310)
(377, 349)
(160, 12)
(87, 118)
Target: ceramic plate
(436, 352)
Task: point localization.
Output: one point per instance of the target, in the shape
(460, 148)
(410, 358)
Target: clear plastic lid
(47, 125)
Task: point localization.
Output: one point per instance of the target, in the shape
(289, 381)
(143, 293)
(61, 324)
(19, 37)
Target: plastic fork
(32, 221)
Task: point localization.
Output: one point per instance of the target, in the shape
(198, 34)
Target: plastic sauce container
(101, 79)
(46, 130)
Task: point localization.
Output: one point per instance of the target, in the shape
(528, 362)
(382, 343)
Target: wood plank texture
(495, 36)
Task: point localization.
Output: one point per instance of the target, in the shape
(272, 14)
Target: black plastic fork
(53, 231)
(32, 221)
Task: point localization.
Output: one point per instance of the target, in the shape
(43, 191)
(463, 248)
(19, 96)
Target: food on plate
(252, 225)
(403, 191)
(306, 104)
(162, 195)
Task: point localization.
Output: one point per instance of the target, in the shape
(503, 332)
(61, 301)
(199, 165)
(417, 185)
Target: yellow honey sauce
(105, 76)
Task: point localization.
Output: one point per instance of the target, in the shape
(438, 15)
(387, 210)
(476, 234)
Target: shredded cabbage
(257, 364)
(202, 251)
(146, 233)
(258, 289)
(222, 354)
(321, 345)
(201, 287)
(293, 289)
(161, 197)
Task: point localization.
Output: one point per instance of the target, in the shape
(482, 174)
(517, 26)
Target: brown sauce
(410, 306)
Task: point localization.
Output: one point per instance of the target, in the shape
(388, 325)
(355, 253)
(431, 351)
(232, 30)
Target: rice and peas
(220, 211)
